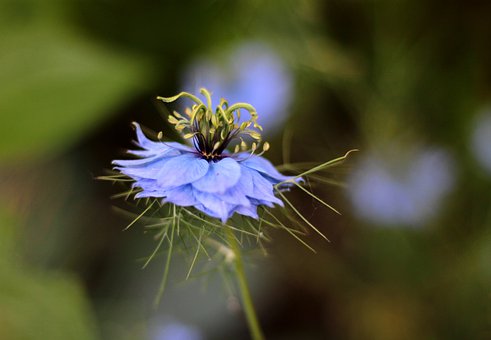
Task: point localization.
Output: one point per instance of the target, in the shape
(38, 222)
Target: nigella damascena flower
(205, 175)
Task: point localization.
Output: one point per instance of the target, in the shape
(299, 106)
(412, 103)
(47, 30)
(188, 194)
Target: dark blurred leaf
(42, 307)
(34, 305)
(56, 84)
(7, 235)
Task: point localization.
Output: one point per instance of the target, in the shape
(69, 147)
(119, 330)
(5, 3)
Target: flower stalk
(245, 294)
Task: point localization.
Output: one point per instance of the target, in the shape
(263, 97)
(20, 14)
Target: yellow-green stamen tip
(212, 130)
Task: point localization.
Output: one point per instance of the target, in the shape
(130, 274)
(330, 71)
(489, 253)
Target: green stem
(156, 302)
(248, 306)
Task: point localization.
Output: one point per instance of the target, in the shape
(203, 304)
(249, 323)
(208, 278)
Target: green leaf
(8, 233)
(41, 306)
(35, 304)
(56, 85)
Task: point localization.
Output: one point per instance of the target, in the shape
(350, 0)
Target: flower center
(210, 156)
(212, 131)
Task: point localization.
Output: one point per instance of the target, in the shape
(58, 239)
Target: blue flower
(408, 194)
(251, 71)
(207, 177)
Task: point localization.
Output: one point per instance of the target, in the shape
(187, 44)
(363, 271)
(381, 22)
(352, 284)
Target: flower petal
(263, 189)
(208, 212)
(213, 205)
(146, 193)
(250, 211)
(182, 196)
(269, 204)
(148, 171)
(143, 141)
(264, 166)
(150, 145)
(148, 159)
(221, 175)
(235, 196)
(245, 184)
(181, 170)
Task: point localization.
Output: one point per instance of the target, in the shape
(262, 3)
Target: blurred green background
(406, 82)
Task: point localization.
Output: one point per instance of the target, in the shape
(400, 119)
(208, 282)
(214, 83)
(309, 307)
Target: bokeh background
(407, 82)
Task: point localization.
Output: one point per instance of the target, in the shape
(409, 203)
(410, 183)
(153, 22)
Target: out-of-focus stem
(248, 306)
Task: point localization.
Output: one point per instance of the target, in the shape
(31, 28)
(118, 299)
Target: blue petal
(179, 146)
(215, 206)
(270, 204)
(264, 166)
(263, 189)
(245, 183)
(150, 145)
(250, 211)
(145, 153)
(146, 184)
(208, 212)
(221, 175)
(182, 196)
(149, 159)
(235, 196)
(181, 170)
(143, 141)
(146, 193)
(149, 171)
(150, 188)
